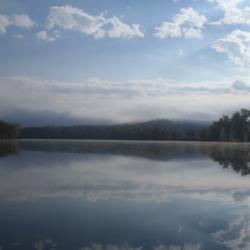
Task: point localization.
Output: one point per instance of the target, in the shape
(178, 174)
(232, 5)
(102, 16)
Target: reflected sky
(124, 195)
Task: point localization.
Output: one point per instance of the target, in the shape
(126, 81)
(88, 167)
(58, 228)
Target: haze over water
(124, 195)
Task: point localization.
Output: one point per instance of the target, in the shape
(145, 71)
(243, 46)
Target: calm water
(124, 195)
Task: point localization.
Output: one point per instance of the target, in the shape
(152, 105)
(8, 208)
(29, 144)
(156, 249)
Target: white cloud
(75, 19)
(226, 4)
(22, 21)
(233, 14)
(168, 29)
(236, 46)
(193, 33)
(120, 29)
(44, 36)
(121, 101)
(188, 24)
(4, 23)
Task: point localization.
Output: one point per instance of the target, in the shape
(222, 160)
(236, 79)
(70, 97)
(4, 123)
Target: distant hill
(151, 130)
(171, 124)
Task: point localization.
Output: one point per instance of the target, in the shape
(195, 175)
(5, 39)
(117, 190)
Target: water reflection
(8, 148)
(124, 195)
(228, 155)
(235, 156)
(131, 170)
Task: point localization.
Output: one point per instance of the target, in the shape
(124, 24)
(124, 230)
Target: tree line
(234, 128)
(152, 130)
(228, 128)
(9, 130)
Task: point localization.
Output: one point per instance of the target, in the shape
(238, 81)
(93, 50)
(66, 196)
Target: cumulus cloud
(233, 14)
(75, 19)
(188, 24)
(236, 46)
(226, 4)
(22, 21)
(44, 35)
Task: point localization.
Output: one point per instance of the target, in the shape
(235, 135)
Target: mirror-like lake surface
(103, 195)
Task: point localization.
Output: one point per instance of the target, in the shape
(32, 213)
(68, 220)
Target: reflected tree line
(8, 148)
(236, 157)
(233, 155)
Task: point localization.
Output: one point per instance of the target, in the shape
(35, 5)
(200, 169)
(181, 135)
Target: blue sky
(106, 52)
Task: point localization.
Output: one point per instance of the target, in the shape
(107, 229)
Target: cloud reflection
(158, 247)
(44, 244)
(237, 235)
(129, 170)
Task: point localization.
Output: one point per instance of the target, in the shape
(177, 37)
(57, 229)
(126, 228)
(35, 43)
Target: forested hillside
(151, 130)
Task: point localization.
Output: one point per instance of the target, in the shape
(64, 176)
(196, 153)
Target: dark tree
(9, 130)
(234, 128)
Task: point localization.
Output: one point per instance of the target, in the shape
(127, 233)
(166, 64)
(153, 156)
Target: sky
(88, 61)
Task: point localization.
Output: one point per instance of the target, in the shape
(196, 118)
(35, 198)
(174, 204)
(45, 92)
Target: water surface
(104, 195)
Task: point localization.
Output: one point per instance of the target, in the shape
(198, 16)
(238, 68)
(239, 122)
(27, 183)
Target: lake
(104, 195)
